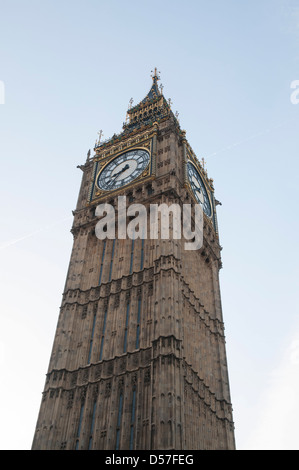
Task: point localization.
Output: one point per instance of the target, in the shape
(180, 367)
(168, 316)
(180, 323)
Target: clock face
(123, 169)
(199, 189)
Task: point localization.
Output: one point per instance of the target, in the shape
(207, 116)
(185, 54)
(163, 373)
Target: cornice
(127, 364)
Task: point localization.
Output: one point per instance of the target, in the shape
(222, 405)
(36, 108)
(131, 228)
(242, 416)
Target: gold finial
(131, 103)
(161, 89)
(203, 162)
(169, 102)
(155, 76)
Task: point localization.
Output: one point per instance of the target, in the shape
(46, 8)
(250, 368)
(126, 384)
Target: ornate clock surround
(147, 142)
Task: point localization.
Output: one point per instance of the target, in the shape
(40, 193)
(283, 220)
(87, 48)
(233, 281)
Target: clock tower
(139, 360)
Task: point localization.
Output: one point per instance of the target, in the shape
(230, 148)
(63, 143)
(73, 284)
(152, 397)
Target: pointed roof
(155, 94)
(154, 91)
(154, 108)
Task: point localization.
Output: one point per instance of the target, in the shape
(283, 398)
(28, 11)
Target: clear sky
(69, 69)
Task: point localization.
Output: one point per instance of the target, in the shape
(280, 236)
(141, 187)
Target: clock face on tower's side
(199, 189)
(123, 169)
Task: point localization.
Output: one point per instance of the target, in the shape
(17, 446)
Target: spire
(154, 91)
(153, 108)
(155, 77)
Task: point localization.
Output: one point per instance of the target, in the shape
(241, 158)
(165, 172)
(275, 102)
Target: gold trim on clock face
(123, 169)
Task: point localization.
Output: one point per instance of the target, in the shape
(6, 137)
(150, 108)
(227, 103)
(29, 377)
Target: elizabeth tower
(139, 358)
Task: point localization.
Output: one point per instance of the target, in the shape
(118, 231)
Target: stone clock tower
(139, 360)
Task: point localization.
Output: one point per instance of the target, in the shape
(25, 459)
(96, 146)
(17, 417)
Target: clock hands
(126, 167)
(114, 177)
(198, 190)
(123, 169)
(195, 186)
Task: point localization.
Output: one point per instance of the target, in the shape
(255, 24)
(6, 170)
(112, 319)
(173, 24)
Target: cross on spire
(100, 134)
(155, 77)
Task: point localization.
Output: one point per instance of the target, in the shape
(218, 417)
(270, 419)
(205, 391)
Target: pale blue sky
(70, 69)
